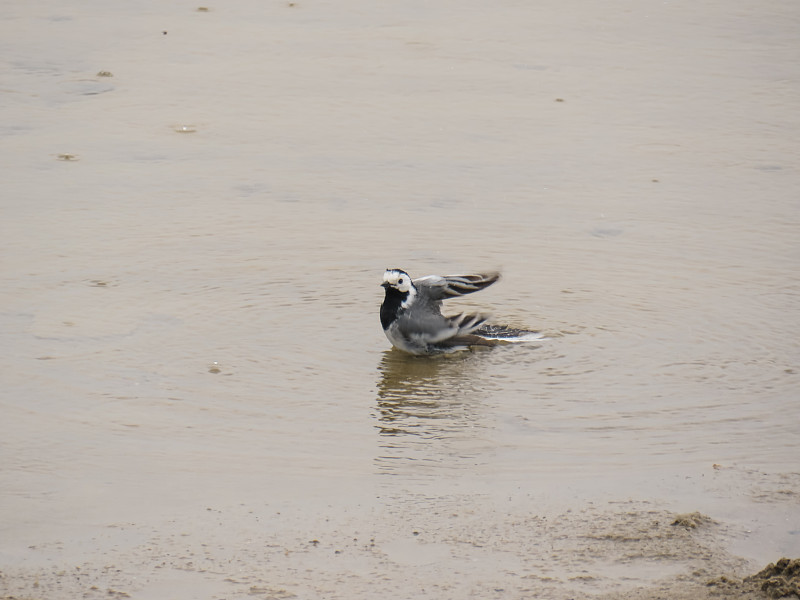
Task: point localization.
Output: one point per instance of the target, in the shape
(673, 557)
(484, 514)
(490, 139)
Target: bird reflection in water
(430, 409)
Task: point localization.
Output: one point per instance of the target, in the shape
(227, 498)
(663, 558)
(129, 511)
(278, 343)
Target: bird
(412, 319)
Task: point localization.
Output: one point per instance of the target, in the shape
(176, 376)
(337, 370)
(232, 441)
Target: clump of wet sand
(691, 520)
(781, 579)
(776, 581)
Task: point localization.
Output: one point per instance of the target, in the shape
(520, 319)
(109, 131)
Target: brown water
(193, 366)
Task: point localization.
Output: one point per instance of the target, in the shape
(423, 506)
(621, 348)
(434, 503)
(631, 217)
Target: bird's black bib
(391, 307)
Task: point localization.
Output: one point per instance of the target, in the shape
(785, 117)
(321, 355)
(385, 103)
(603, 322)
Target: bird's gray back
(424, 316)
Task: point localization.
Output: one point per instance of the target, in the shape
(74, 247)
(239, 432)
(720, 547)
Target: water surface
(190, 304)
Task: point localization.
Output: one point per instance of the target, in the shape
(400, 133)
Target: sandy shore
(417, 548)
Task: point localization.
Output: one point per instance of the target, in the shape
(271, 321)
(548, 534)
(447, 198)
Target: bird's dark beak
(385, 284)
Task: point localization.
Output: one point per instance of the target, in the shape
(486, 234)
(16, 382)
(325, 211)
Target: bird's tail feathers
(508, 334)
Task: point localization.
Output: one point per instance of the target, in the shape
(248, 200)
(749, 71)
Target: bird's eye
(400, 281)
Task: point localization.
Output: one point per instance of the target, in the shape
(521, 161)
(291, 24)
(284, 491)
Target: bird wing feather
(433, 328)
(439, 287)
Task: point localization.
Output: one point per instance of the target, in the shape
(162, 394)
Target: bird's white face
(397, 279)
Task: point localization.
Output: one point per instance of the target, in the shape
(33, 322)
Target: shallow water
(190, 304)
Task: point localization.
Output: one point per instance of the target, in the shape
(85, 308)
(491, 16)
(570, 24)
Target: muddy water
(198, 400)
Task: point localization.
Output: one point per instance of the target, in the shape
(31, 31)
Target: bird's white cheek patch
(410, 300)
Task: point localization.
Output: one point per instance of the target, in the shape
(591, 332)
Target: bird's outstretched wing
(438, 287)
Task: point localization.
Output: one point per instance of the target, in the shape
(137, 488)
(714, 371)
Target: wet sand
(447, 547)
(198, 401)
